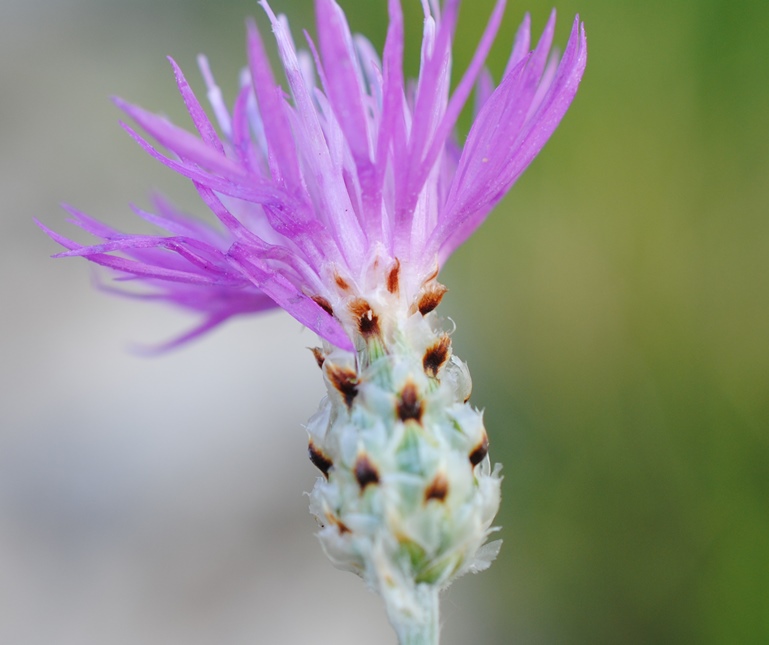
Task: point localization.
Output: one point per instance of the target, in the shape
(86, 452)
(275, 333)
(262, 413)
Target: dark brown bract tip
(479, 453)
(365, 472)
(431, 298)
(410, 405)
(345, 381)
(436, 355)
(319, 354)
(334, 520)
(368, 321)
(438, 488)
(319, 459)
(341, 282)
(323, 304)
(393, 277)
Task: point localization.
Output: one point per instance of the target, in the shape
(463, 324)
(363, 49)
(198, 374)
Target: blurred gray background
(614, 312)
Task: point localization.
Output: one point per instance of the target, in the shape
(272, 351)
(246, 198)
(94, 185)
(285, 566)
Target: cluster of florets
(352, 176)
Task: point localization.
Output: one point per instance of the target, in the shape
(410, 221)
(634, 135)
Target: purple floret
(350, 171)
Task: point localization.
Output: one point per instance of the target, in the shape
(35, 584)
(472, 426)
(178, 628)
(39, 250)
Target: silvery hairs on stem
(339, 200)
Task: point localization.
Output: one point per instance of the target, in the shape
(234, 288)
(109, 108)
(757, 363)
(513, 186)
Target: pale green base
(407, 494)
(418, 623)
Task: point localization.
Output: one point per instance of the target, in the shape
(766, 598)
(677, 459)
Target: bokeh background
(614, 312)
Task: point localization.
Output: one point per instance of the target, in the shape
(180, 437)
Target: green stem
(416, 623)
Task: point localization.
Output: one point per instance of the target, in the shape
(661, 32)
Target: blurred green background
(615, 313)
(614, 309)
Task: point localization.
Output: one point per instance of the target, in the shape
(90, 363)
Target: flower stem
(417, 622)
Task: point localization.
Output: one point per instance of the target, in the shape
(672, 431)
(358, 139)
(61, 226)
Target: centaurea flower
(339, 202)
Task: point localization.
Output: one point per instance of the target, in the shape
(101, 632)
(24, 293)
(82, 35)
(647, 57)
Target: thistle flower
(339, 201)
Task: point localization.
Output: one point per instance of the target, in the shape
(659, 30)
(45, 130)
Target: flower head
(339, 201)
(347, 187)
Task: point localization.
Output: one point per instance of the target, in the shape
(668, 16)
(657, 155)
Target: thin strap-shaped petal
(541, 52)
(187, 146)
(91, 225)
(193, 251)
(371, 69)
(521, 44)
(429, 102)
(207, 325)
(248, 153)
(277, 130)
(484, 87)
(218, 305)
(188, 227)
(429, 105)
(241, 298)
(392, 126)
(132, 266)
(196, 111)
(252, 191)
(545, 83)
(465, 85)
(214, 95)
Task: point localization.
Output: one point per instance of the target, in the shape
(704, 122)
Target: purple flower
(350, 186)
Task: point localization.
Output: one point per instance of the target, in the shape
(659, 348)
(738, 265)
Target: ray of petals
(333, 205)
(343, 85)
(348, 170)
(189, 228)
(432, 86)
(166, 209)
(456, 103)
(244, 297)
(217, 305)
(228, 220)
(505, 139)
(284, 162)
(137, 268)
(555, 103)
(253, 191)
(266, 251)
(184, 144)
(289, 297)
(491, 139)
(371, 68)
(462, 91)
(91, 225)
